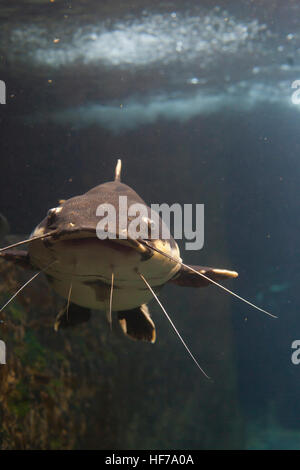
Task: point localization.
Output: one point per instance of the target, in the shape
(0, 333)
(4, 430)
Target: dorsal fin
(118, 170)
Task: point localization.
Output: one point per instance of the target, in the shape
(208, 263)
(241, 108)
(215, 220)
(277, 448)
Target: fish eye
(51, 212)
(51, 215)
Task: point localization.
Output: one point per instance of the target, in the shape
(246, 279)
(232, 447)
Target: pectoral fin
(137, 324)
(71, 315)
(19, 257)
(187, 278)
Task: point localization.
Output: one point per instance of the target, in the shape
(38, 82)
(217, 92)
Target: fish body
(84, 261)
(119, 272)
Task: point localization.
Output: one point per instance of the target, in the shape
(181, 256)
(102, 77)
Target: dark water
(195, 97)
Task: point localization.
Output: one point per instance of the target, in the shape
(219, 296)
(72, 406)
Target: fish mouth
(81, 237)
(83, 241)
(122, 242)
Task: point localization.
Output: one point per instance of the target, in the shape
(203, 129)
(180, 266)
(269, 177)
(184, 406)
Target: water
(197, 101)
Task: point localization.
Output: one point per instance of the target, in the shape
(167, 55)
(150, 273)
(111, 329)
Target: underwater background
(196, 98)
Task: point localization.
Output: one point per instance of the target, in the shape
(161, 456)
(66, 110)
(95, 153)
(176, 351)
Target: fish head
(80, 257)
